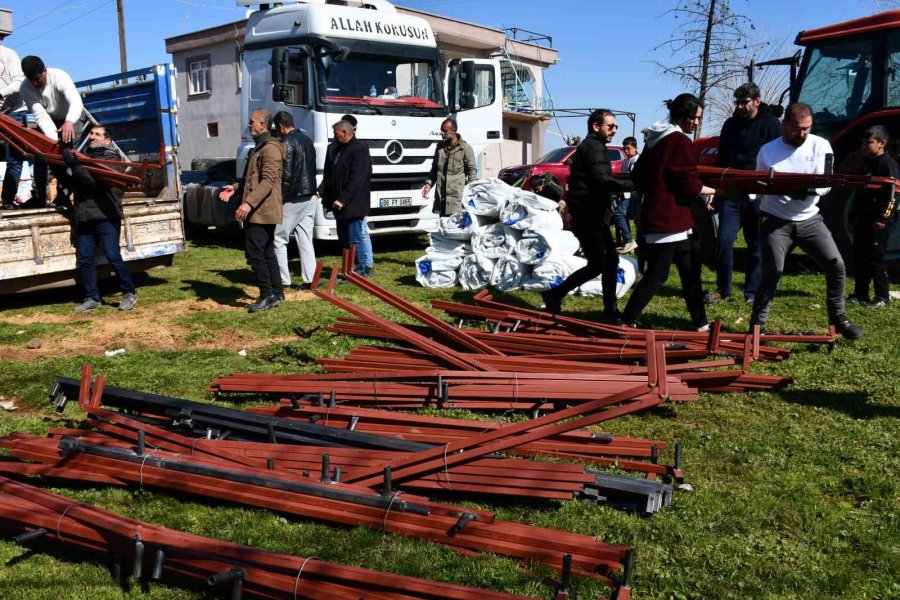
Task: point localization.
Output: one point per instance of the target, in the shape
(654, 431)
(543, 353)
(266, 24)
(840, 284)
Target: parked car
(555, 162)
(707, 149)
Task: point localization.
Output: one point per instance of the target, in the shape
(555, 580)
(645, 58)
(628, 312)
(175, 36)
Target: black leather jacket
(298, 177)
(592, 188)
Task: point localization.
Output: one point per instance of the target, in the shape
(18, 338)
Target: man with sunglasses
(742, 135)
(592, 193)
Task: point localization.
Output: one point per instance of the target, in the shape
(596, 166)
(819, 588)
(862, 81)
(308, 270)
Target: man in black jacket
(874, 212)
(742, 135)
(345, 192)
(298, 185)
(98, 217)
(592, 192)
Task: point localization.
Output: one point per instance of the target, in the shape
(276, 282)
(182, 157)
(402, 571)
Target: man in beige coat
(453, 167)
(261, 209)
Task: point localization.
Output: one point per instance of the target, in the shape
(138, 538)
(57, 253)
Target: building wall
(220, 108)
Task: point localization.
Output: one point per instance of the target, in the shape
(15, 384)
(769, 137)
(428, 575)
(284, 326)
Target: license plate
(394, 202)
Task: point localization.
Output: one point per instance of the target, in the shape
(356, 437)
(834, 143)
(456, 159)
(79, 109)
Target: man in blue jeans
(624, 207)
(98, 218)
(345, 191)
(742, 135)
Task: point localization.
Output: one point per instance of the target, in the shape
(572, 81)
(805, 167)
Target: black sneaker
(847, 328)
(264, 304)
(552, 304)
(879, 303)
(857, 299)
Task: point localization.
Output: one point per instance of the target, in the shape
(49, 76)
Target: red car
(555, 162)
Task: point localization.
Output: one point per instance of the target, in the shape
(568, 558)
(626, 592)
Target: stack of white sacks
(509, 239)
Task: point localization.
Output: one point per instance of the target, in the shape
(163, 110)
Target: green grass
(795, 494)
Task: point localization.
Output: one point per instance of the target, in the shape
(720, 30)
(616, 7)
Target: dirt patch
(152, 326)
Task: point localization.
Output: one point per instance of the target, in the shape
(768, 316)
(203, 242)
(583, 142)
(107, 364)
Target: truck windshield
(837, 83)
(380, 81)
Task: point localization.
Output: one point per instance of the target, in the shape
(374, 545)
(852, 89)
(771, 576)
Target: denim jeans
(736, 212)
(620, 220)
(107, 232)
(813, 237)
(14, 162)
(355, 232)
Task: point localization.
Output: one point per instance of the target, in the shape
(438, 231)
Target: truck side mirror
(453, 85)
(279, 73)
(467, 85)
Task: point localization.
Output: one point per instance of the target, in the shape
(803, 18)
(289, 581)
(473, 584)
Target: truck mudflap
(38, 251)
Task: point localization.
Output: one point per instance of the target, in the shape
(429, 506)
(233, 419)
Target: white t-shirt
(11, 78)
(784, 158)
(58, 100)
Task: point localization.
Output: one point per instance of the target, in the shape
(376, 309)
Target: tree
(708, 43)
(773, 81)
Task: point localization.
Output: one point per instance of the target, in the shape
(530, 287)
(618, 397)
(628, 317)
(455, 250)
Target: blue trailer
(138, 109)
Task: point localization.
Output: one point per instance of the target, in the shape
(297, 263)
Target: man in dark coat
(742, 135)
(345, 191)
(592, 192)
(98, 218)
(298, 186)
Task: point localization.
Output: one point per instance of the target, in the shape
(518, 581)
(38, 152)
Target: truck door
(475, 100)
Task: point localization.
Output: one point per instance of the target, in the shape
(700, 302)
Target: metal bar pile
(351, 451)
(134, 450)
(148, 552)
(35, 145)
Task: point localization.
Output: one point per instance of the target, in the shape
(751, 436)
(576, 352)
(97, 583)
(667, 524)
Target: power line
(66, 24)
(41, 16)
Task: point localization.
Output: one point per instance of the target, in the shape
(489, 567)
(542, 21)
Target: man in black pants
(261, 209)
(592, 191)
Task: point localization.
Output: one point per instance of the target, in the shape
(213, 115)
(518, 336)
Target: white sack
(440, 244)
(538, 245)
(552, 272)
(494, 241)
(527, 210)
(627, 273)
(475, 272)
(437, 270)
(459, 226)
(508, 274)
(486, 197)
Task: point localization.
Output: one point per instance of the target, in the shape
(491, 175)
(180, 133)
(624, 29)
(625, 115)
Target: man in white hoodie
(51, 96)
(794, 219)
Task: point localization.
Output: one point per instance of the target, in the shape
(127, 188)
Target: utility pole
(123, 57)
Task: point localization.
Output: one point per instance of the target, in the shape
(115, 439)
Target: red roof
(886, 20)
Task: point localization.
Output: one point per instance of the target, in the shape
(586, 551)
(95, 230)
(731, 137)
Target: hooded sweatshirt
(667, 176)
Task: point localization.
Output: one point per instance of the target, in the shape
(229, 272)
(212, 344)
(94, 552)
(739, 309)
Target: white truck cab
(320, 59)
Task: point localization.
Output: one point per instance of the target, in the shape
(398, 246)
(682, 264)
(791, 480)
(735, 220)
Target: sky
(605, 48)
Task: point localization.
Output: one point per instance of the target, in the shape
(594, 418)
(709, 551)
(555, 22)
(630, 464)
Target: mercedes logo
(394, 151)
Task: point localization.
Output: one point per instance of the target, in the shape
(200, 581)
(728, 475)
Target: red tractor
(849, 73)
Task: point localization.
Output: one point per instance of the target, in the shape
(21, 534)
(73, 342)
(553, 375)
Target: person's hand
(425, 190)
(69, 157)
(226, 193)
(67, 132)
(711, 204)
(241, 213)
(337, 205)
(561, 205)
(879, 225)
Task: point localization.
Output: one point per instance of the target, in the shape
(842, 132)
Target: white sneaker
(628, 248)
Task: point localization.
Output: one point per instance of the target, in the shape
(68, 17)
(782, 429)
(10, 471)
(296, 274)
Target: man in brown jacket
(453, 167)
(261, 209)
